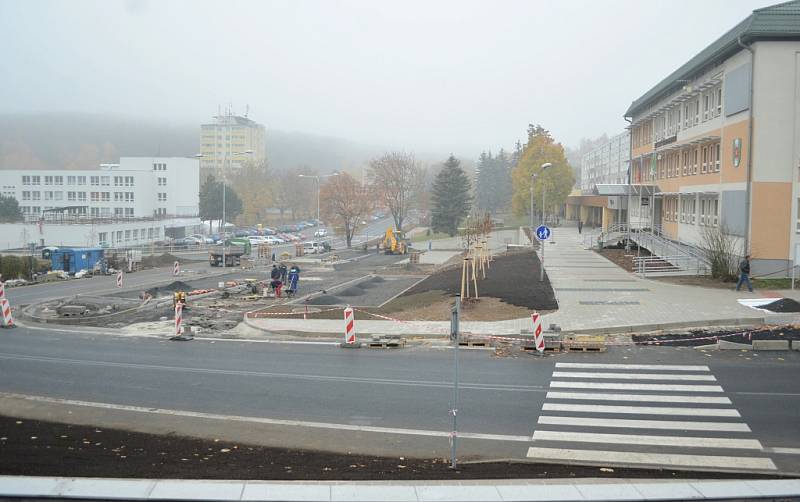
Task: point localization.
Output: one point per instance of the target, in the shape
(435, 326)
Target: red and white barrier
(349, 327)
(176, 269)
(178, 318)
(538, 335)
(5, 307)
(2, 290)
(119, 279)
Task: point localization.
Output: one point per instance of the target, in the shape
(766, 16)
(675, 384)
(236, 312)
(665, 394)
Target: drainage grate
(602, 289)
(607, 302)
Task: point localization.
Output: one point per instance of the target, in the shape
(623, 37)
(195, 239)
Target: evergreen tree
(211, 201)
(493, 191)
(451, 197)
(9, 210)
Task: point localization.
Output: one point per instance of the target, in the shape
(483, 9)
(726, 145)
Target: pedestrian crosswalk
(649, 415)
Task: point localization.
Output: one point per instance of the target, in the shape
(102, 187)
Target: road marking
(267, 421)
(659, 398)
(690, 442)
(665, 367)
(646, 424)
(642, 410)
(633, 376)
(782, 451)
(262, 374)
(659, 459)
(636, 386)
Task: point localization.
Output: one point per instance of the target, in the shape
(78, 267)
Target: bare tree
(721, 251)
(345, 202)
(397, 179)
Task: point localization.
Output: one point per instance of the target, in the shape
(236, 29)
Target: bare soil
(621, 258)
(38, 448)
(435, 306)
(737, 335)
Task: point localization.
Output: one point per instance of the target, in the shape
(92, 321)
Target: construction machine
(394, 242)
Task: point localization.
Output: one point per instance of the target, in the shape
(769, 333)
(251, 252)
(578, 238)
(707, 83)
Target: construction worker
(284, 272)
(294, 278)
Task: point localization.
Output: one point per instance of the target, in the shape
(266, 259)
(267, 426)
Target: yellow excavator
(393, 242)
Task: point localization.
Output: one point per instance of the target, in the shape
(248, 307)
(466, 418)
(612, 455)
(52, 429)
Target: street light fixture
(225, 189)
(318, 177)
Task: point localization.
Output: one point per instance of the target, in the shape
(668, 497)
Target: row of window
(119, 181)
(81, 196)
(684, 210)
(702, 107)
(159, 167)
(686, 162)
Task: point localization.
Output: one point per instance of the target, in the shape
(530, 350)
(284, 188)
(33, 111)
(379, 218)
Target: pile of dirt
(366, 284)
(324, 300)
(782, 305)
(351, 291)
(621, 257)
(511, 278)
(37, 448)
(376, 279)
(170, 288)
(159, 260)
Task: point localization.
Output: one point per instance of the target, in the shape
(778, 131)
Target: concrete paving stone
(667, 491)
(721, 489)
(770, 344)
(107, 488)
(776, 487)
(387, 493)
(174, 489)
(608, 492)
(33, 486)
(255, 490)
(538, 492)
(464, 493)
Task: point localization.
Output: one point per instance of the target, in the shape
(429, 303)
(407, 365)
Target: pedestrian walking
(744, 274)
(580, 226)
(284, 272)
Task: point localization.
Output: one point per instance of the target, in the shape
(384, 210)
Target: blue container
(72, 260)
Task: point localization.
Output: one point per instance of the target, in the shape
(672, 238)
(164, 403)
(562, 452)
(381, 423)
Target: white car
(271, 239)
(311, 247)
(321, 233)
(257, 239)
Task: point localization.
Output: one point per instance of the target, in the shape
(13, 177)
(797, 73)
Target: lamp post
(318, 177)
(224, 190)
(544, 218)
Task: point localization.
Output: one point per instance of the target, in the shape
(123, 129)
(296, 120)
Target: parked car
(257, 239)
(201, 239)
(321, 232)
(271, 239)
(312, 247)
(268, 231)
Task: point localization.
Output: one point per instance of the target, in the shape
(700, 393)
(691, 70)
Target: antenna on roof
(246, 110)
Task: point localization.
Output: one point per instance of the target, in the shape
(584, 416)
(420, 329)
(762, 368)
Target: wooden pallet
(584, 348)
(387, 344)
(473, 343)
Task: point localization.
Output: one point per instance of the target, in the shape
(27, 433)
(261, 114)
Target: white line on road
(262, 374)
(600, 366)
(642, 410)
(260, 420)
(656, 398)
(684, 441)
(782, 451)
(633, 376)
(635, 386)
(646, 424)
(659, 459)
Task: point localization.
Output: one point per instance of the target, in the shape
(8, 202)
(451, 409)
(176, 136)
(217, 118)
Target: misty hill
(83, 141)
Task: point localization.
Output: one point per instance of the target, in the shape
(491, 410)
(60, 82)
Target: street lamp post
(224, 190)
(544, 219)
(318, 177)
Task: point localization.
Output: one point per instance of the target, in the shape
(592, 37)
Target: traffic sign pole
(543, 233)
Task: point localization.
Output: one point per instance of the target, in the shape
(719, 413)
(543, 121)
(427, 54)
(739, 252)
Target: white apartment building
(607, 164)
(137, 201)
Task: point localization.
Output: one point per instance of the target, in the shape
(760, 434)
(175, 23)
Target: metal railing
(654, 266)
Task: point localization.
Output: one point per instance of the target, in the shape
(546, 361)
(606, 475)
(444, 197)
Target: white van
(312, 247)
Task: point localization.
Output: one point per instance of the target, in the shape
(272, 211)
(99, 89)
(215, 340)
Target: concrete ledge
(518, 489)
(770, 344)
(726, 345)
(636, 328)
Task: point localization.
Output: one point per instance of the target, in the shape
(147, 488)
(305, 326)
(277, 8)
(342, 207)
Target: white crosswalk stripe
(579, 419)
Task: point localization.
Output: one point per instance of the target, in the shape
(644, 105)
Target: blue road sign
(543, 232)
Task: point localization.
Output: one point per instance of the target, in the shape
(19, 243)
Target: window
(105, 181)
(95, 212)
(127, 235)
(128, 181)
(48, 180)
(71, 180)
(136, 234)
(105, 212)
(35, 195)
(48, 195)
(81, 180)
(103, 236)
(702, 211)
(105, 196)
(150, 233)
(26, 180)
(705, 160)
(36, 209)
(715, 213)
(118, 197)
(58, 195)
(719, 101)
(26, 195)
(35, 180)
(128, 196)
(117, 181)
(129, 212)
(71, 197)
(162, 197)
(119, 235)
(82, 196)
(58, 180)
(716, 157)
(162, 182)
(95, 196)
(706, 105)
(95, 181)
(119, 212)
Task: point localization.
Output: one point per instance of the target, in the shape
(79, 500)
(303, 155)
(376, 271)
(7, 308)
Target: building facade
(139, 200)
(223, 144)
(715, 146)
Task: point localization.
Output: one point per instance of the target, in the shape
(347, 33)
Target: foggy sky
(438, 76)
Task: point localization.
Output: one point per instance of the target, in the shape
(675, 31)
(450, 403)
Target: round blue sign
(543, 232)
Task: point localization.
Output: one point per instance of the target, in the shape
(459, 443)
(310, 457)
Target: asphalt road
(321, 396)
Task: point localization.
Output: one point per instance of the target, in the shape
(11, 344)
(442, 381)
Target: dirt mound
(351, 291)
(159, 260)
(782, 305)
(169, 289)
(366, 284)
(512, 278)
(325, 300)
(377, 279)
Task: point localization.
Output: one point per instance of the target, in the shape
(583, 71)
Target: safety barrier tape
(252, 315)
(380, 316)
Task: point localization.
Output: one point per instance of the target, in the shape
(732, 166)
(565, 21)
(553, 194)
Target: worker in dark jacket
(284, 272)
(744, 274)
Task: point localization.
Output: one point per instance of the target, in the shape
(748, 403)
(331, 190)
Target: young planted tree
(9, 209)
(451, 197)
(397, 179)
(345, 202)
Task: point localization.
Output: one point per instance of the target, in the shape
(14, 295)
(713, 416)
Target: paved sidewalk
(594, 295)
(398, 491)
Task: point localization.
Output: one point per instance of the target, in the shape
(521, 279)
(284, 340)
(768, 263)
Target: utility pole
(455, 313)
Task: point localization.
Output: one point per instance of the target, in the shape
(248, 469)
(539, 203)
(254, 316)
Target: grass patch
(783, 283)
